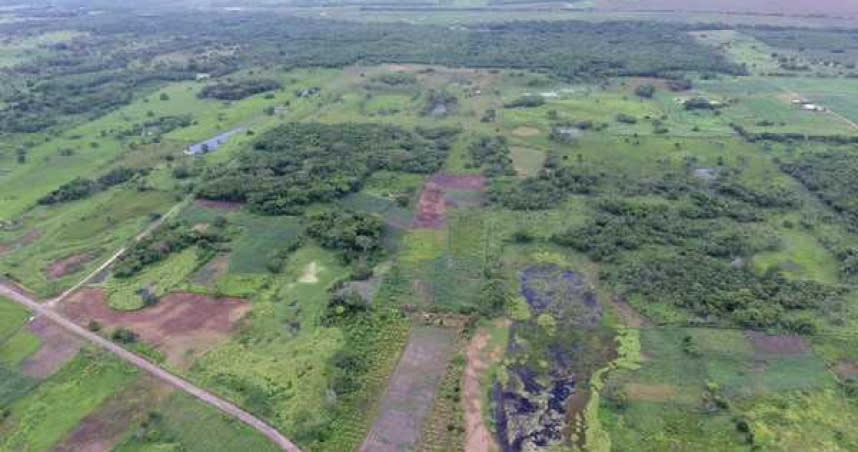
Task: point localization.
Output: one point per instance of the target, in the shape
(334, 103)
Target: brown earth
(220, 205)
(431, 208)
(821, 7)
(411, 390)
(459, 182)
(787, 344)
(433, 203)
(210, 273)
(29, 237)
(103, 428)
(629, 316)
(180, 325)
(24, 240)
(526, 131)
(68, 265)
(846, 368)
(56, 349)
(650, 392)
(478, 438)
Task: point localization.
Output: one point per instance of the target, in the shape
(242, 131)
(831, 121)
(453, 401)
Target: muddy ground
(778, 345)
(436, 198)
(180, 325)
(57, 348)
(411, 390)
(104, 427)
(68, 265)
(219, 205)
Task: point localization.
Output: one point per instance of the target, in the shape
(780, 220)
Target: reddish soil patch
(777, 345)
(57, 348)
(431, 208)
(459, 182)
(411, 391)
(433, 202)
(68, 265)
(5, 248)
(179, 325)
(220, 205)
(829, 7)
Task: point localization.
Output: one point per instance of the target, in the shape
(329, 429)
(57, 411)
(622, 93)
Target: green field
(655, 240)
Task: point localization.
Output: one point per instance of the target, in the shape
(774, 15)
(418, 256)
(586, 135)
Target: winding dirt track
(142, 364)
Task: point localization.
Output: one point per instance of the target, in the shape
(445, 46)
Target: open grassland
(78, 236)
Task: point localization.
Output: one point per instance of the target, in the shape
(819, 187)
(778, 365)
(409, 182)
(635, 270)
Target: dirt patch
(628, 315)
(478, 438)
(56, 349)
(411, 391)
(526, 131)
(31, 236)
(787, 344)
(68, 265)
(180, 325)
(431, 208)
(26, 239)
(650, 392)
(658, 83)
(847, 369)
(311, 274)
(103, 428)
(443, 191)
(219, 205)
(209, 274)
(459, 182)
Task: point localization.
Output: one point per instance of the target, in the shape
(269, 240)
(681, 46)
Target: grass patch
(158, 279)
(44, 416)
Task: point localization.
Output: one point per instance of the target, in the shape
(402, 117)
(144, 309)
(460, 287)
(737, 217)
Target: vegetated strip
(152, 369)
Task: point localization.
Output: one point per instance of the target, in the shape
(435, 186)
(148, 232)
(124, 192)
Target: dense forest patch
(239, 89)
(296, 164)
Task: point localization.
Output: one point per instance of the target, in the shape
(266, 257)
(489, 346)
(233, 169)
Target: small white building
(812, 107)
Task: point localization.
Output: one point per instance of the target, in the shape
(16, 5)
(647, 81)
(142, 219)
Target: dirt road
(142, 364)
(142, 235)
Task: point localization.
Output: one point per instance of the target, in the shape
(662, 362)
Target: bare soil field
(434, 200)
(650, 392)
(765, 345)
(819, 7)
(630, 317)
(411, 391)
(526, 132)
(212, 271)
(68, 265)
(103, 428)
(431, 208)
(179, 325)
(220, 205)
(56, 349)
